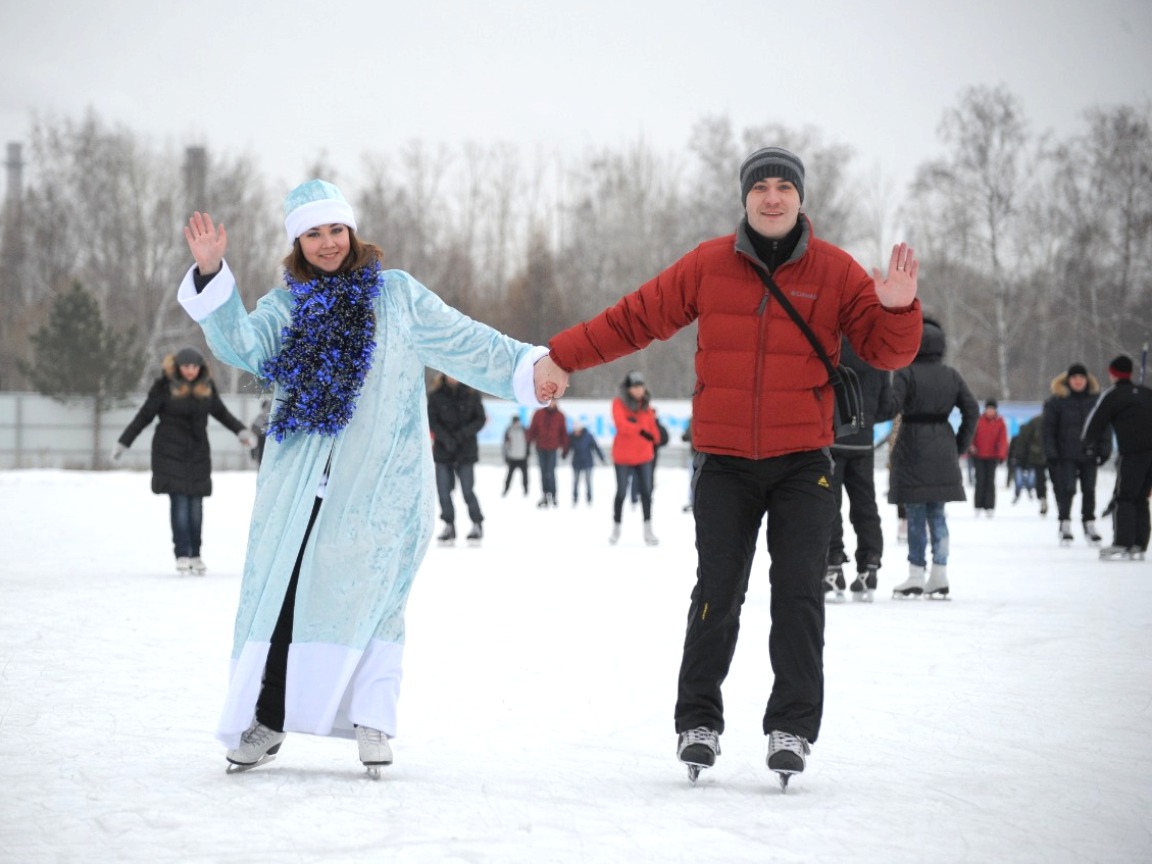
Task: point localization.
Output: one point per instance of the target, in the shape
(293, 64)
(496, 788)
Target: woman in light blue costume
(344, 504)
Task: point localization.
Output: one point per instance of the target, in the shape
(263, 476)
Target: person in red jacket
(548, 433)
(762, 414)
(634, 451)
(989, 448)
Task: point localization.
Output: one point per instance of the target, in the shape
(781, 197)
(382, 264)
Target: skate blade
(937, 597)
(237, 768)
(915, 594)
(373, 771)
(694, 772)
(784, 777)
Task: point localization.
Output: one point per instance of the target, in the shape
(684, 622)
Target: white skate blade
(237, 768)
(937, 597)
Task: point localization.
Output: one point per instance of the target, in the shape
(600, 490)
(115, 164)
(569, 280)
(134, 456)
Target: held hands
(247, 439)
(551, 381)
(207, 242)
(899, 289)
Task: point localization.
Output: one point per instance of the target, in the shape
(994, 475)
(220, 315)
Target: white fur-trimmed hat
(316, 202)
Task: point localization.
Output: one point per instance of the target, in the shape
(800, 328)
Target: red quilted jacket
(760, 390)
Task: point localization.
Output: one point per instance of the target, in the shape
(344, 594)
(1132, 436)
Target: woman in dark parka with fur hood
(182, 399)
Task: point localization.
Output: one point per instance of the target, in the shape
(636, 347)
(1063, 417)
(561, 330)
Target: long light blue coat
(377, 516)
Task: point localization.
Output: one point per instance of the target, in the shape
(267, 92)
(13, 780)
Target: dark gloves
(647, 436)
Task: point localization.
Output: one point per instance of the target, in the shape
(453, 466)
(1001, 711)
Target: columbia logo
(824, 482)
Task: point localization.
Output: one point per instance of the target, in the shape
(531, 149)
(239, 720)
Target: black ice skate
(863, 587)
(834, 580)
(697, 748)
(786, 755)
(448, 535)
(475, 535)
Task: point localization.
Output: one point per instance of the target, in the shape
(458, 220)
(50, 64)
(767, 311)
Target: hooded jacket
(634, 420)
(761, 391)
(1065, 415)
(926, 456)
(181, 456)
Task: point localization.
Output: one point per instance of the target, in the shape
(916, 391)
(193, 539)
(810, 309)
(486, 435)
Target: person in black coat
(1070, 460)
(455, 417)
(854, 470)
(1126, 408)
(182, 399)
(926, 456)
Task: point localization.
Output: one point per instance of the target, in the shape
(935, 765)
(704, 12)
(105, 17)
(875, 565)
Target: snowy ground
(1012, 724)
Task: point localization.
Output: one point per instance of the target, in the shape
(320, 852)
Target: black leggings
(270, 704)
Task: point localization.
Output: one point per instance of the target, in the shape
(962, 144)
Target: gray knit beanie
(771, 162)
(189, 357)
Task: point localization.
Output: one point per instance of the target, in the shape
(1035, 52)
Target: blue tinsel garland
(326, 354)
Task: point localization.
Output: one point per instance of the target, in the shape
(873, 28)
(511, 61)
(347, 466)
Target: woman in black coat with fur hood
(183, 398)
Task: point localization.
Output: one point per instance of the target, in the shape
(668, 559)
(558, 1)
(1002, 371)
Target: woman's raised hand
(207, 242)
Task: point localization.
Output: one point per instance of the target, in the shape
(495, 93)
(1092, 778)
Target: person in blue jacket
(344, 506)
(584, 451)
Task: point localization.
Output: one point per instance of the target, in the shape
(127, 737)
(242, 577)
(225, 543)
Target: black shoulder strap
(775, 291)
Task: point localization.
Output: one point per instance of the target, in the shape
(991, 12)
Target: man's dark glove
(647, 436)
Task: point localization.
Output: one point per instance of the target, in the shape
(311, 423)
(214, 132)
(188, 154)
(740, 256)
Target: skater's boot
(786, 754)
(834, 582)
(913, 586)
(374, 749)
(698, 746)
(1121, 553)
(1043, 506)
(1090, 532)
(937, 582)
(863, 587)
(448, 535)
(183, 565)
(1065, 532)
(256, 745)
(649, 537)
(199, 568)
(542, 504)
(476, 534)
(615, 535)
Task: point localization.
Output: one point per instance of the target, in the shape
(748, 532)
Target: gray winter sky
(288, 81)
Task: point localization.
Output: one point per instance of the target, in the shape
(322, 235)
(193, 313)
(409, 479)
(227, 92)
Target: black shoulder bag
(845, 382)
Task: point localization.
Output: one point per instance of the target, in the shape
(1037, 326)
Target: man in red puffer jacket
(762, 415)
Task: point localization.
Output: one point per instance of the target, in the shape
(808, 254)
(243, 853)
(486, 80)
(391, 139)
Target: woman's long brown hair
(360, 254)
